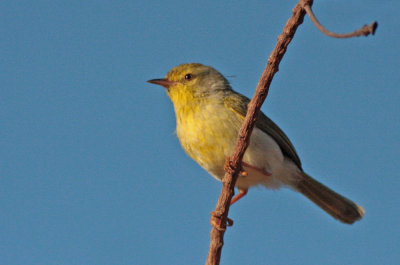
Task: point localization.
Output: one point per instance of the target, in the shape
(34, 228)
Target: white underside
(272, 169)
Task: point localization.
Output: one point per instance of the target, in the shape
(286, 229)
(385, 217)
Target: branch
(364, 31)
(233, 165)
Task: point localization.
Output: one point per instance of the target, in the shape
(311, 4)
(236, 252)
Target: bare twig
(233, 165)
(364, 31)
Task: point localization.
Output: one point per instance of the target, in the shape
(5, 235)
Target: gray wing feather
(238, 103)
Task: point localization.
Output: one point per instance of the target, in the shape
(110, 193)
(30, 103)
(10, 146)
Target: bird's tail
(333, 203)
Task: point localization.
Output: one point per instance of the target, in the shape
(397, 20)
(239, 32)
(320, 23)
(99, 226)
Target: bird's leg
(221, 223)
(241, 194)
(262, 171)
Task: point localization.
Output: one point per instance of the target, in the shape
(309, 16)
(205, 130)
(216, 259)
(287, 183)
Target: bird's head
(192, 81)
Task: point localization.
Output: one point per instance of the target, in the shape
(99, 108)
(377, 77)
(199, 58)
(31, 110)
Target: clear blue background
(92, 173)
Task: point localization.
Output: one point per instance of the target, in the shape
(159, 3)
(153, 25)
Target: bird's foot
(220, 222)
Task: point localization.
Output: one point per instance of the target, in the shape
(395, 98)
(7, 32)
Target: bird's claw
(219, 222)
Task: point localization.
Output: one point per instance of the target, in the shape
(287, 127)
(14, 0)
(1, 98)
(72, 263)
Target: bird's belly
(211, 139)
(266, 163)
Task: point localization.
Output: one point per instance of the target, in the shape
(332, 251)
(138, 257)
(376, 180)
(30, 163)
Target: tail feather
(333, 203)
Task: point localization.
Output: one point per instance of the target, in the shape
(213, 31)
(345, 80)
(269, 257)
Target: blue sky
(92, 173)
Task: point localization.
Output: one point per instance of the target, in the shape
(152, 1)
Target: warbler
(209, 114)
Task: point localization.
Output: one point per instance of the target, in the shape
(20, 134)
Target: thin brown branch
(233, 165)
(364, 31)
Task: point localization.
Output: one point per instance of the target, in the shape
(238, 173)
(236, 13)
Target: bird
(209, 114)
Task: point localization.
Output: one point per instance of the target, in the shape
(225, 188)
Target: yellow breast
(207, 132)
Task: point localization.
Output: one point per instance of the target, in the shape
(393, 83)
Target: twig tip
(373, 26)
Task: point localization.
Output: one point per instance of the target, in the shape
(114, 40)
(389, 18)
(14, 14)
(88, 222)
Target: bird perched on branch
(209, 114)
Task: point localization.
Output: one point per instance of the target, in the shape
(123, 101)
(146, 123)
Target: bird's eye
(188, 76)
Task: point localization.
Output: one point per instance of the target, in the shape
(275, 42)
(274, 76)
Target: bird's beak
(162, 82)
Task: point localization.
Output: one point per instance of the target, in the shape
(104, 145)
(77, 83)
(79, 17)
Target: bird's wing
(238, 104)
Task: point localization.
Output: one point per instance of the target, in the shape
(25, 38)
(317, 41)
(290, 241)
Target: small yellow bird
(209, 114)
